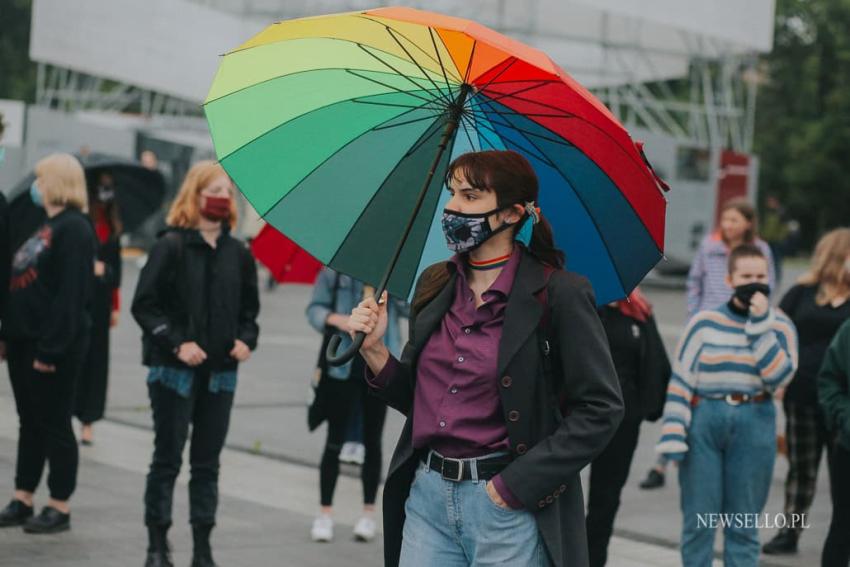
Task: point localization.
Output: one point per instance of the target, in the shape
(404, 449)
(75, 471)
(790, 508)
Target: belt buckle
(459, 469)
(732, 401)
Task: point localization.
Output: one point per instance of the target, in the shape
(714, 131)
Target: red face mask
(216, 208)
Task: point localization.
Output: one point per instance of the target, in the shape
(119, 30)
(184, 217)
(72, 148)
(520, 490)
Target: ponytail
(542, 245)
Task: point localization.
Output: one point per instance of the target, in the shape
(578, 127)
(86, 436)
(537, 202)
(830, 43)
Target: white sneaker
(347, 453)
(323, 529)
(364, 529)
(359, 455)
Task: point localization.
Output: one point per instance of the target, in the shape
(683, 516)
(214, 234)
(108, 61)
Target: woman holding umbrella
(197, 304)
(506, 380)
(46, 334)
(91, 387)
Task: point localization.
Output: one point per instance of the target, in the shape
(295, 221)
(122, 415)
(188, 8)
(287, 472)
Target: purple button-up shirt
(457, 410)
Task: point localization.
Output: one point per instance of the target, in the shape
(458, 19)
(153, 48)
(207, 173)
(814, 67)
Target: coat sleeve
(149, 307)
(832, 382)
(249, 306)
(74, 254)
(590, 389)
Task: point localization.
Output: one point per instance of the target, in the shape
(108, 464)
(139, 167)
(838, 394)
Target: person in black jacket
(197, 304)
(90, 399)
(643, 369)
(818, 305)
(46, 331)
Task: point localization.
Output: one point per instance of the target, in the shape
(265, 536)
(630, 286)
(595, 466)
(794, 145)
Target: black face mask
(745, 292)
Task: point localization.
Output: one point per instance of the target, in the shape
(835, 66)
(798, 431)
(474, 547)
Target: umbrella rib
(499, 74)
(559, 140)
(396, 89)
(641, 165)
(469, 63)
(439, 58)
(415, 62)
(589, 214)
(481, 136)
(514, 93)
(593, 162)
(394, 104)
(308, 174)
(414, 121)
(466, 132)
(539, 155)
(515, 113)
(413, 43)
(399, 73)
(419, 143)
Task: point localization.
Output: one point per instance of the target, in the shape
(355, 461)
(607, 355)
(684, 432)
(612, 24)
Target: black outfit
(189, 291)
(90, 400)
(347, 396)
(836, 549)
(48, 319)
(548, 450)
(805, 431)
(643, 370)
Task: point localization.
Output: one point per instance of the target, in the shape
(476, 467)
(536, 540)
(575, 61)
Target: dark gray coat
(548, 450)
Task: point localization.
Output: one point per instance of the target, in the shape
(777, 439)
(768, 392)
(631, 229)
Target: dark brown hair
(743, 251)
(748, 211)
(512, 179)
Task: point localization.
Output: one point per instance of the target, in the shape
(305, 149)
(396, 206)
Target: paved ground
(269, 482)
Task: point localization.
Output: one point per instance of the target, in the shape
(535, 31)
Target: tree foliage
(803, 114)
(17, 72)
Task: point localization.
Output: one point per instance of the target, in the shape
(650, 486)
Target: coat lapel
(522, 315)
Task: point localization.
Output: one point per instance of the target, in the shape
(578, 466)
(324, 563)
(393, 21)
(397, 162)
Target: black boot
(654, 479)
(202, 552)
(49, 521)
(15, 514)
(784, 542)
(159, 552)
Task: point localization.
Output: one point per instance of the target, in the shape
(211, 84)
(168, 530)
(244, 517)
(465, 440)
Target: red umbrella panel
(287, 262)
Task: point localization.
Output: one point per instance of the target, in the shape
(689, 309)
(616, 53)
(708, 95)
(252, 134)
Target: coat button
(563, 488)
(549, 500)
(521, 449)
(541, 504)
(513, 415)
(507, 381)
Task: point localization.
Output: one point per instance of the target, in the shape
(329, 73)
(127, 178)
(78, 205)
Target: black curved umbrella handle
(335, 359)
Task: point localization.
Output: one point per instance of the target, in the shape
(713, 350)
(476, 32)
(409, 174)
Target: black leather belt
(457, 470)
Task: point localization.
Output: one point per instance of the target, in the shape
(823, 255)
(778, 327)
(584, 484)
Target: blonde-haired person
(46, 333)
(818, 305)
(197, 304)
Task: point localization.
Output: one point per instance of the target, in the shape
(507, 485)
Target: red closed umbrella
(287, 262)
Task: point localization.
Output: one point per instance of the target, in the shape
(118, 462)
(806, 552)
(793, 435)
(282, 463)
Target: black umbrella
(138, 192)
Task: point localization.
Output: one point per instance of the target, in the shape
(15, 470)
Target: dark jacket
(50, 288)
(548, 451)
(644, 376)
(189, 291)
(834, 386)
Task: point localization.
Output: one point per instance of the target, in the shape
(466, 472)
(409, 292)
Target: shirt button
(467, 330)
(460, 359)
(507, 381)
(442, 424)
(454, 390)
(541, 504)
(549, 500)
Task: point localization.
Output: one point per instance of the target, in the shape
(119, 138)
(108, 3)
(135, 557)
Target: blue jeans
(455, 524)
(727, 470)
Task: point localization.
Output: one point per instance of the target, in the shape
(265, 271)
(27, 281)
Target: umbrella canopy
(339, 131)
(138, 191)
(287, 262)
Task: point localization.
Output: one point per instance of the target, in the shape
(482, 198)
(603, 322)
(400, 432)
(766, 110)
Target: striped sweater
(722, 352)
(707, 287)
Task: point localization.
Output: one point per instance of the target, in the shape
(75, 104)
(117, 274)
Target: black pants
(806, 438)
(836, 550)
(44, 402)
(353, 392)
(209, 415)
(608, 474)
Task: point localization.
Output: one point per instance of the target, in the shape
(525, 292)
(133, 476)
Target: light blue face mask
(35, 195)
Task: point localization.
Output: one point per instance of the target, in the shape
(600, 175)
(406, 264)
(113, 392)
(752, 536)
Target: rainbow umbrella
(339, 129)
